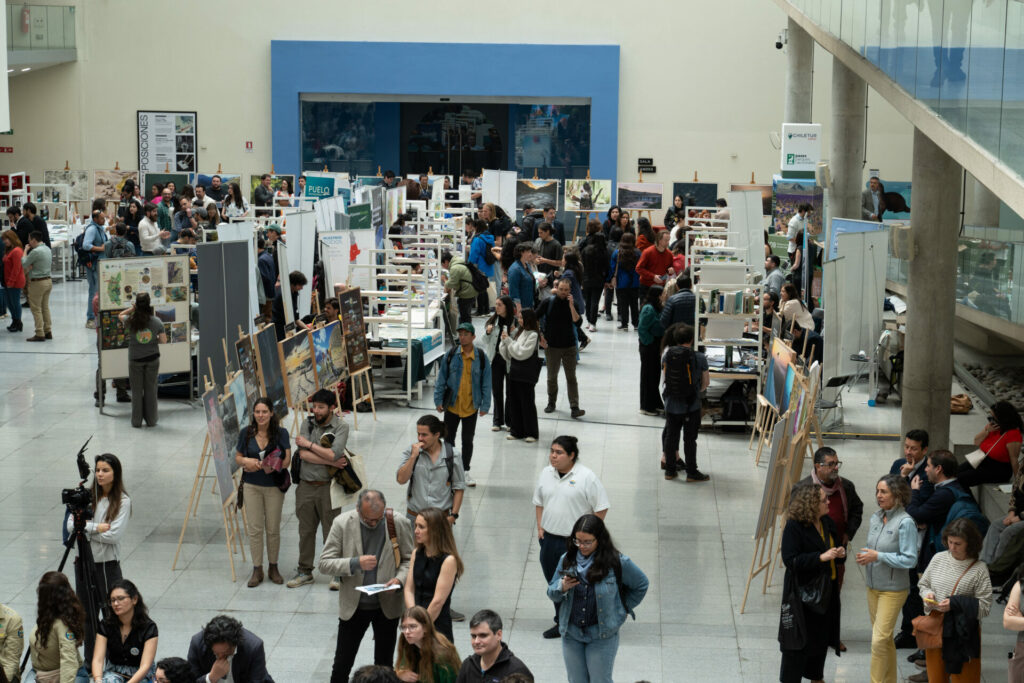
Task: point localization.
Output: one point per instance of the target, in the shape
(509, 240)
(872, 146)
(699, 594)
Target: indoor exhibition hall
(486, 343)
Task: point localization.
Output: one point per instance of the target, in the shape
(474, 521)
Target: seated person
(807, 343)
(120, 657)
(224, 649)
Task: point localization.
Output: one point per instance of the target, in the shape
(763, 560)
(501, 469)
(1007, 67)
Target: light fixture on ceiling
(10, 70)
(27, 68)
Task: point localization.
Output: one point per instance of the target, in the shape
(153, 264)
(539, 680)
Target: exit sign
(6, 150)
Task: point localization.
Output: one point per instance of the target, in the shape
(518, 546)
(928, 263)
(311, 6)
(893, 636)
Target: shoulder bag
(976, 456)
(928, 628)
(389, 518)
(526, 370)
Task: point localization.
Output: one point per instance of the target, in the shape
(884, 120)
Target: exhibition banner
(319, 186)
(167, 141)
(801, 148)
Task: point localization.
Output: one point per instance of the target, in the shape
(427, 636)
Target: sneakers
(585, 343)
(91, 324)
(549, 408)
(530, 439)
(696, 475)
(470, 481)
(456, 616)
(623, 328)
(335, 583)
(496, 428)
(511, 438)
(552, 632)
(650, 413)
(300, 579)
(577, 413)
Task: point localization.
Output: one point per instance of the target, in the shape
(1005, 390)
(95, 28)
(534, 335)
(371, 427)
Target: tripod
(87, 583)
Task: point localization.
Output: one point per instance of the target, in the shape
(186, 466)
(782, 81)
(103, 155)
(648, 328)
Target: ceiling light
(10, 70)
(27, 68)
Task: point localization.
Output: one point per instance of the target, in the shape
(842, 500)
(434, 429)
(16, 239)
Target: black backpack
(80, 251)
(682, 379)
(480, 280)
(489, 257)
(121, 248)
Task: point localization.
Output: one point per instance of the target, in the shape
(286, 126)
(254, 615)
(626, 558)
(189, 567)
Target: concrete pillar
(846, 156)
(983, 205)
(931, 288)
(799, 74)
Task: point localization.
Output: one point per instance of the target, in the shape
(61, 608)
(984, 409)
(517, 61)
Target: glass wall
(963, 58)
(340, 136)
(554, 140)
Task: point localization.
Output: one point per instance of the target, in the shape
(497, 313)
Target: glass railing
(963, 58)
(989, 274)
(40, 27)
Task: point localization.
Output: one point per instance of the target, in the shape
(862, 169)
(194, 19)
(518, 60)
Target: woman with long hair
(676, 212)
(14, 277)
(111, 509)
(125, 650)
(424, 654)
(623, 276)
(501, 321)
(811, 548)
(614, 237)
(572, 270)
(1000, 441)
(794, 309)
(594, 257)
(611, 221)
(133, 215)
(264, 454)
(145, 334)
(595, 589)
(235, 204)
(626, 223)
(650, 332)
(58, 633)
(435, 566)
(284, 193)
(645, 236)
(520, 350)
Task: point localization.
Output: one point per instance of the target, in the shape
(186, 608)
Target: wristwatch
(453, 515)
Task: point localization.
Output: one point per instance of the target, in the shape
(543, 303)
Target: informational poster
(351, 303)
(801, 148)
(167, 141)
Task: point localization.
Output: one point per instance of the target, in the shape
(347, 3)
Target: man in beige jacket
(367, 547)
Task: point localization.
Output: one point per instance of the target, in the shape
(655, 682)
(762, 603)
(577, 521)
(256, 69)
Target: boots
(256, 578)
(274, 575)
(15, 326)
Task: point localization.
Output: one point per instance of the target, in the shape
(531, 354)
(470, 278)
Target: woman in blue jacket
(887, 557)
(479, 247)
(595, 589)
(623, 277)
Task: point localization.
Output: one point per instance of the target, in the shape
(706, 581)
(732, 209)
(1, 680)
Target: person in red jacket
(655, 264)
(14, 277)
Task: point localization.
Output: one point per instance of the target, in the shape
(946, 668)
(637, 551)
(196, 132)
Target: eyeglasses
(833, 465)
(583, 544)
(118, 598)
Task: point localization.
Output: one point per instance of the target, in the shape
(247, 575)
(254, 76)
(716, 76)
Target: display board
(325, 210)
(215, 431)
(856, 289)
(225, 305)
(165, 279)
(301, 237)
(769, 498)
(247, 375)
(360, 217)
(324, 184)
(150, 192)
(588, 195)
(701, 194)
(108, 184)
(764, 190)
(499, 188)
(329, 355)
(747, 223)
(846, 226)
(296, 357)
(789, 194)
(539, 193)
(352, 327)
(205, 180)
(340, 250)
(77, 182)
(778, 383)
(167, 141)
(239, 389)
(269, 362)
(644, 196)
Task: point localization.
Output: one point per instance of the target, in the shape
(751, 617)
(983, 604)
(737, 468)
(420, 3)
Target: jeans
(628, 306)
(499, 372)
(689, 423)
(451, 429)
(350, 635)
(13, 297)
(650, 376)
(565, 356)
(143, 377)
(884, 610)
(552, 547)
(592, 301)
(588, 658)
(92, 275)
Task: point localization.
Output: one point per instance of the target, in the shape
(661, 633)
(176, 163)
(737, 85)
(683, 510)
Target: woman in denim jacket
(595, 588)
(887, 557)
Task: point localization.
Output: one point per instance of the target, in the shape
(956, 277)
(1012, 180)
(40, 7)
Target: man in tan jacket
(367, 547)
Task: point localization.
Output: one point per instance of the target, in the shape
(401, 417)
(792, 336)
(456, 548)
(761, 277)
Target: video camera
(79, 500)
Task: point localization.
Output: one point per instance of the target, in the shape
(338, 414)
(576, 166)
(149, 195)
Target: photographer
(111, 509)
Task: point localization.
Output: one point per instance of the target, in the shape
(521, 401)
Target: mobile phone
(570, 573)
(930, 601)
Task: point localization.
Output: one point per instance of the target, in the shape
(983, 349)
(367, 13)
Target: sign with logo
(319, 186)
(801, 148)
(167, 141)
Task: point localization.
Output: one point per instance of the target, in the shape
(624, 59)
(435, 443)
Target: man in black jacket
(223, 647)
(491, 660)
(932, 510)
(911, 466)
(681, 307)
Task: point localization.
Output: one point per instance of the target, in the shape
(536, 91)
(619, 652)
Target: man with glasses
(844, 505)
(367, 546)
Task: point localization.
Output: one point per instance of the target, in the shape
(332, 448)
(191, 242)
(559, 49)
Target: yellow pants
(262, 510)
(884, 609)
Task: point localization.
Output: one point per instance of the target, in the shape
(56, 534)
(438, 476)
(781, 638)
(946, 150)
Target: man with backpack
(686, 377)
(463, 284)
(90, 250)
(463, 390)
(118, 246)
(481, 256)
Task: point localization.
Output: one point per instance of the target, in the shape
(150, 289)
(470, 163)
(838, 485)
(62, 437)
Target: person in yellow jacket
(12, 641)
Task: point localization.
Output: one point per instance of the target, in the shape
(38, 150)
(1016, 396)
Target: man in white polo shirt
(565, 492)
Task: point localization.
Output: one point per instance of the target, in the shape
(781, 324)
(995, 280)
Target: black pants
(552, 547)
(499, 371)
(628, 306)
(913, 607)
(465, 309)
(350, 635)
(483, 303)
(609, 294)
(989, 471)
(451, 429)
(800, 664)
(522, 410)
(689, 424)
(592, 301)
(106, 574)
(650, 376)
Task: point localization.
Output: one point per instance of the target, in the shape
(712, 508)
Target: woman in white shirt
(794, 309)
(111, 509)
(521, 416)
(235, 205)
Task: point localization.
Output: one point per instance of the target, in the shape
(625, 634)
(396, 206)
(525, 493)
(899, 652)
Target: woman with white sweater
(957, 583)
(521, 354)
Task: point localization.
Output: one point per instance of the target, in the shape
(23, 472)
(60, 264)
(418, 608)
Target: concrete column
(846, 156)
(931, 288)
(799, 74)
(983, 205)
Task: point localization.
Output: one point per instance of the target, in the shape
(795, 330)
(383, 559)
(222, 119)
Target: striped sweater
(942, 573)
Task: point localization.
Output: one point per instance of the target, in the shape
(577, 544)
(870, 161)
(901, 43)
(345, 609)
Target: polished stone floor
(692, 540)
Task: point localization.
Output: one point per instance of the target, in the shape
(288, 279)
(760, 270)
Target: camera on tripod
(78, 500)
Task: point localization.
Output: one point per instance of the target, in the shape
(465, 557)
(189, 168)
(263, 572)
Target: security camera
(782, 39)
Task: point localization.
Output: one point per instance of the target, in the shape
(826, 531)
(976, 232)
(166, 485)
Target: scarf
(831, 491)
(583, 565)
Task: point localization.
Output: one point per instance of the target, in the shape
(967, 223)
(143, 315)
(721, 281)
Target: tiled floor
(692, 540)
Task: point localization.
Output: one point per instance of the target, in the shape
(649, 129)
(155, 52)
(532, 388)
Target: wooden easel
(232, 532)
(362, 392)
(765, 419)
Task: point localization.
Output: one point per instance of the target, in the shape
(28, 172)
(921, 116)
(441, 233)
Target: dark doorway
(449, 137)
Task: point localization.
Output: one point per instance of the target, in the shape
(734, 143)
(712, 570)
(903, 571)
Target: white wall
(701, 83)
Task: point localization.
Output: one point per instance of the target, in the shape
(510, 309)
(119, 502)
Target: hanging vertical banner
(801, 149)
(167, 141)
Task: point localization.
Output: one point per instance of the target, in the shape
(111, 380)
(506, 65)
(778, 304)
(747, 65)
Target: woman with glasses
(436, 566)
(125, 649)
(424, 655)
(596, 588)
